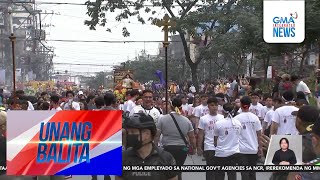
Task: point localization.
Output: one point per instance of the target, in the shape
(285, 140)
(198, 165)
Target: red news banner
(64, 143)
(204, 168)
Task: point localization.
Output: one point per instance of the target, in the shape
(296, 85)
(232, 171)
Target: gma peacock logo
(285, 26)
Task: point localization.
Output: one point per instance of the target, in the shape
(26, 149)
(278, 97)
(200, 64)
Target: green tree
(98, 80)
(188, 17)
(144, 69)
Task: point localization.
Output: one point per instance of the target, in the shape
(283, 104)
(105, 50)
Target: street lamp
(12, 39)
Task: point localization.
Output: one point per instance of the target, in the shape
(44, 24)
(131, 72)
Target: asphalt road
(185, 176)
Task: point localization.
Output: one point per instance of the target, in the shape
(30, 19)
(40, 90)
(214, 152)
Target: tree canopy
(233, 28)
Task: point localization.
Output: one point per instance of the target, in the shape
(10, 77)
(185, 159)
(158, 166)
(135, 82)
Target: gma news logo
(285, 26)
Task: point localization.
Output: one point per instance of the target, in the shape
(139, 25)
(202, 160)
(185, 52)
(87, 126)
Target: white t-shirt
(304, 88)
(268, 117)
(153, 112)
(228, 137)
(200, 111)
(207, 123)
(255, 109)
(285, 120)
(75, 105)
(264, 111)
(185, 107)
(130, 105)
(125, 105)
(249, 139)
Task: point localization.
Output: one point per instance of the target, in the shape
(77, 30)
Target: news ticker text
(204, 168)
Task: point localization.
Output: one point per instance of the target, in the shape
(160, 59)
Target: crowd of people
(228, 124)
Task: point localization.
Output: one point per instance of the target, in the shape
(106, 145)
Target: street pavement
(185, 176)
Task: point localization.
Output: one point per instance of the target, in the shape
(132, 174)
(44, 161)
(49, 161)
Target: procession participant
(206, 126)
(200, 110)
(131, 103)
(90, 102)
(70, 104)
(99, 102)
(54, 101)
(283, 122)
(301, 86)
(176, 129)
(268, 106)
(45, 96)
(110, 102)
(277, 102)
(226, 140)
(20, 94)
(140, 132)
(147, 107)
(249, 138)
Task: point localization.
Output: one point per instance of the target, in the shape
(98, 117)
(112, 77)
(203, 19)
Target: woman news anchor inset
(284, 156)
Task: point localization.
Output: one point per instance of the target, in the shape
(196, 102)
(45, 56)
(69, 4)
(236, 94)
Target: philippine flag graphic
(23, 143)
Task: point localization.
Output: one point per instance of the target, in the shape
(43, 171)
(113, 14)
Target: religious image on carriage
(124, 82)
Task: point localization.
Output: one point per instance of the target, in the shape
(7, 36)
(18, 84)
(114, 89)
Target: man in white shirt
(70, 104)
(125, 104)
(54, 102)
(134, 94)
(147, 107)
(283, 122)
(201, 110)
(301, 86)
(226, 140)
(20, 94)
(185, 105)
(249, 138)
(206, 126)
(255, 106)
(277, 102)
(268, 106)
(192, 89)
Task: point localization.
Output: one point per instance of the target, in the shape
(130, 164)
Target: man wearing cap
(283, 122)
(141, 130)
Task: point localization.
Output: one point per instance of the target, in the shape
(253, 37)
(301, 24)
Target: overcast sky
(69, 25)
